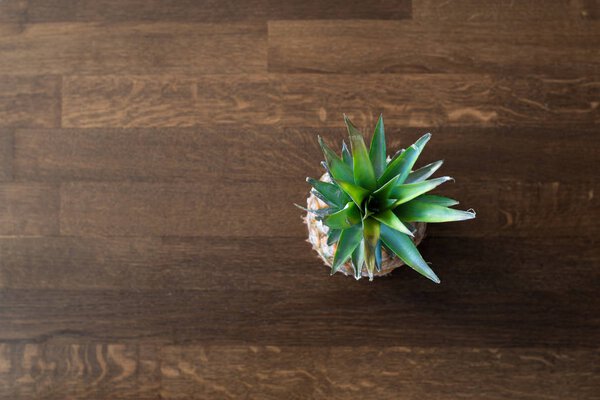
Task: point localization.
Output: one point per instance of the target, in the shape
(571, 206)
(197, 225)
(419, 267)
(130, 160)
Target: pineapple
(368, 212)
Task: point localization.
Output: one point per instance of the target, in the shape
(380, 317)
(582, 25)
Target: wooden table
(151, 150)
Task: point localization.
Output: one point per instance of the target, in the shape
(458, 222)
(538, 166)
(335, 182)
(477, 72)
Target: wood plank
(318, 100)
(133, 48)
(523, 209)
(162, 102)
(80, 370)
(97, 370)
(216, 207)
(28, 209)
(6, 154)
(384, 313)
(590, 9)
(561, 49)
(264, 208)
(503, 10)
(273, 372)
(170, 154)
(500, 265)
(192, 154)
(13, 11)
(213, 11)
(30, 101)
(508, 153)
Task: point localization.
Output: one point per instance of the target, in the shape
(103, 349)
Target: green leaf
(346, 156)
(358, 259)
(371, 230)
(405, 193)
(423, 173)
(345, 218)
(335, 165)
(349, 239)
(396, 154)
(333, 236)
(377, 152)
(319, 213)
(390, 219)
(403, 164)
(384, 192)
(389, 252)
(323, 198)
(439, 200)
(378, 257)
(356, 193)
(404, 248)
(387, 205)
(364, 175)
(330, 191)
(417, 211)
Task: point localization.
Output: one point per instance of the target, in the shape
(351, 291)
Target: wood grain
(319, 100)
(6, 154)
(193, 154)
(534, 11)
(28, 209)
(560, 48)
(151, 152)
(523, 209)
(13, 10)
(145, 101)
(30, 101)
(79, 370)
(213, 11)
(133, 48)
(98, 370)
(386, 313)
(500, 265)
(272, 372)
(215, 208)
(166, 155)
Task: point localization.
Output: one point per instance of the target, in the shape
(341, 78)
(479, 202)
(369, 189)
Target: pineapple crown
(373, 202)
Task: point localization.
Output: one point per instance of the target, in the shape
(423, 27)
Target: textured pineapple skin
(317, 237)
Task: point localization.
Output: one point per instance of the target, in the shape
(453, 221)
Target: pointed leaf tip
(406, 250)
(422, 141)
(346, 155)
(358, 259)
(378, 151)
(430, 212)
(349, 239)
(423, 173)
(364, 175)
(402, 165)
(335, 166)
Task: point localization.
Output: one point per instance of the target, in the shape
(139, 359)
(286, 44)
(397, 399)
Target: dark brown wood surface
(150, 153)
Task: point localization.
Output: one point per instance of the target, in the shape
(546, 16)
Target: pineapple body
(317, 237)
